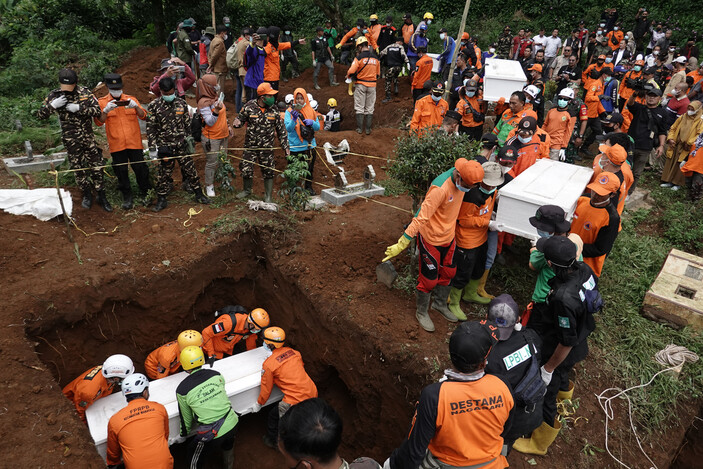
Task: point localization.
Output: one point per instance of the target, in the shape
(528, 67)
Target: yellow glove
(338, 46)
(376, 51)
(397, 248)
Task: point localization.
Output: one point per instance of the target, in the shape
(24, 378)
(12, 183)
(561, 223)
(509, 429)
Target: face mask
(365, 31)
(429, 22)
(269, 101)
(169, 97)
(601, 162)
(608, 60)
(637, 68)
(486, 191)
(461, 188)
(288, 32)
(544, 234)
(436, 98)
(655, 52)
(217, 88)
(115, 93)
(627, 37)
(691, 113)
(607, 79)
(607, 129)
(602, 25)
(492, 50)
(442, 36)
(675, 92)
(470, 94)
(615, 28)
(562, 103)
(297, 106)
(659, 28)
(524, 139)
(388, 24)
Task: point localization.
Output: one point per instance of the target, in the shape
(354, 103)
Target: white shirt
(539, 42)
(617, 56)
(551, 46)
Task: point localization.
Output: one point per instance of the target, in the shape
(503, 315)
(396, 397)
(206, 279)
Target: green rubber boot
(454, 307)
(248, 184)
(471, 294)
(268, 190)
(439, 304)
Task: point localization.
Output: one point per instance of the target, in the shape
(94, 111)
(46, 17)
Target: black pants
(274, 84)
(198, 451)
(141, 170)
(470, 265)
(559, 382)
(293, 60)
(251, 93)
(474, 133)
(594, 125)
(417, 93)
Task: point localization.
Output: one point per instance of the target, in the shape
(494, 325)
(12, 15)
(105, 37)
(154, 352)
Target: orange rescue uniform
(472, 223)
(465, 106)
(87, 388)
(375, 31)
(423, 71)
(436, 220)
(285, 369)
(408, 30)
(625, 91)
(121, 127)
(595, 89)
(618, 35)
(220, 337)
(138, 434)
(220, 129)
(428, 113)
(598, 228)
(527, 153)
(559, 125)
(626, 180)
(353, 31)
(367, 70)
(163, 361)
(272, 64)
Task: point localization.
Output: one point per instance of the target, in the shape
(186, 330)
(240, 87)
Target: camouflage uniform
(167, 126)
(77, 134)
(391, 78)
(505, 42)
(262, 128)
(572, 152)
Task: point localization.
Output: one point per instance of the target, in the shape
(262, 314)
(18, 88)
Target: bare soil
(141, 284)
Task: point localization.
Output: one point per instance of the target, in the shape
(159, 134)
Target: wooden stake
(456, 48)
(65, 216)
(212, 6)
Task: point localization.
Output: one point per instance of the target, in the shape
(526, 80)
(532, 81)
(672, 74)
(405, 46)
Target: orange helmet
(465, 36)
(274, 336)
(259, 318)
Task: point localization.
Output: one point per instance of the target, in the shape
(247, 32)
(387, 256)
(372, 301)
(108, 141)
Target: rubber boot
(104, 203)
(333, 80)
(248, 184)
(388, 98)
(564, 395)
(395, 89)
(308, 188)
(471, 295)
(314, 82)
(481, 290)
(422, 315)
(87, 201)
(228, 458)
(160, 204)
(127, 202)
(454, 307)
(359, 123)
(200, 197)
(369, 123)
(540, 441)
(441, 294)
(268, 190)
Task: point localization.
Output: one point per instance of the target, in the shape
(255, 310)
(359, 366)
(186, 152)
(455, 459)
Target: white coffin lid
(546, 182)
(502, 78)
(242, 374)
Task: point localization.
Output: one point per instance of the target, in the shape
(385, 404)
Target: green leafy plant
(225, 174)
(293, 176)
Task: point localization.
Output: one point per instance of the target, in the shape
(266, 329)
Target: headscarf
(688, 123)
(205, 91)
(307, 112)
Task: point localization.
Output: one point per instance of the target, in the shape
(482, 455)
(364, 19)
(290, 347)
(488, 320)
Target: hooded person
(254, 61)
(682, 135)
(301, 124)
(215, 131)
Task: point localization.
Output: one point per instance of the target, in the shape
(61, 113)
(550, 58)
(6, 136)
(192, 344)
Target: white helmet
(532, 90)
(313, 104)
(310, 98)
(135, 383)
(118, 366)
(567, 93)
(289, 99)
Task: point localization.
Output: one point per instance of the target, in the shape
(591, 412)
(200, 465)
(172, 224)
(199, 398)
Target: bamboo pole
(456, 48)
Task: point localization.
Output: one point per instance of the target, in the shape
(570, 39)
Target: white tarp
(242, 374)
(41, 203)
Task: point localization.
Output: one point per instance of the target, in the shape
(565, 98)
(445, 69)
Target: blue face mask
(365, 31)
(637, 68)
(436, 98)
(544, 234)
(470, 94)
(461, 188)
(524, 139)
(169, 97)
(562, 103)
(607, 79)
(608, 60)
(486, 191)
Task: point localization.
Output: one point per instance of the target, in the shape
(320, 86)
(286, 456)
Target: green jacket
(184, 49)
(202, 400)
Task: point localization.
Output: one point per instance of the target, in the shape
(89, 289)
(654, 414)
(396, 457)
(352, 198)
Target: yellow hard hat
(428, 16)
(274, 336)
(332, 102)
(259, 318)
(373, 17)
(192, 357)
(361, 40)
(188, 338)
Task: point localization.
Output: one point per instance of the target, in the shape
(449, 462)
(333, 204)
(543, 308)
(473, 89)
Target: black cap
(503, 311)
(113, 81)
(437, 87)
(470, 344)
(165, 63)
(613, 118)
(550, 218)
(262, 31)
(508, 153)
(67, 77)
(654, 91)
(649, 70)
(451, 114)
(559, 250)
(407, 16)
(527, 123)
(442, 30)
(319, 28)
(607, 71)
(389, 18)
(489, 140)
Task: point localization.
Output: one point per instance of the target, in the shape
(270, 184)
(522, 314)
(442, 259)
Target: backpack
(306, 132)
(196, 126)
(233, 61)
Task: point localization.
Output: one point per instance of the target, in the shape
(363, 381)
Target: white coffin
(242, 374)
(502, 78)
(435, 62)
(546, 182)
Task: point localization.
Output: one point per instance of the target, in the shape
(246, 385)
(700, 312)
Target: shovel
(386, 274)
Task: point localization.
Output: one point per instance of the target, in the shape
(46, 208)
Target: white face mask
(492, 50)
(442, 36)
(288, 33)
(691, 113)
(615, 28)
(115, 93)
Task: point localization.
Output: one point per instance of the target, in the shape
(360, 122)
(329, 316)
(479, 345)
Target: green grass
(41, 138)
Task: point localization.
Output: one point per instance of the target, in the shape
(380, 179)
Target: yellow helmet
(373, 17)
(361, 40)
(274, 336)
(332, 102)
(192, 357)
(188, 338)
(259, 318)
(428, 16)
